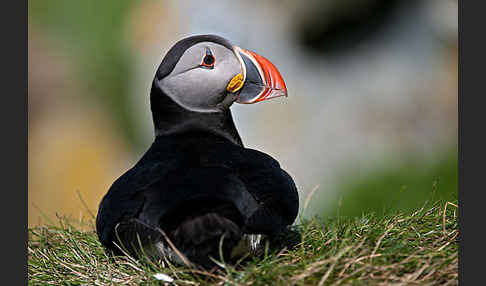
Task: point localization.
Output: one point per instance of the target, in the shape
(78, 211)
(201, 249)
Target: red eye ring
(208, 60)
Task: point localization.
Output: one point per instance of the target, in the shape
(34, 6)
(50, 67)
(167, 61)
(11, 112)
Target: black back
(200, 167)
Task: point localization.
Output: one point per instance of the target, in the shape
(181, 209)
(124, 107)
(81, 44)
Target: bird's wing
(197, 190)
(274, 190)
(263, 180)
(125, 199)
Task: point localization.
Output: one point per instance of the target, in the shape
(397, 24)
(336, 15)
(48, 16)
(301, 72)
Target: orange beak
(262, 80)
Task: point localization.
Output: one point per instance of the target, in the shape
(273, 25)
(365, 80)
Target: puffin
(198, 196)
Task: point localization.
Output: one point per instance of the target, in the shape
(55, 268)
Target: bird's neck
(170, 119)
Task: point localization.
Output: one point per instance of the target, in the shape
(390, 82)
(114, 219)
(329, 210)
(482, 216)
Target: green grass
(415, 248)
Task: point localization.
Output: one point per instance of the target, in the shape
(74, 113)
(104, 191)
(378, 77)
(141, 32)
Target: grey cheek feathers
(172, 91)
(201, 90)
(198, 89)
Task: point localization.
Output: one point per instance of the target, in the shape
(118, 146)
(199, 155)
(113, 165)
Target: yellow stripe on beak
(235, 84)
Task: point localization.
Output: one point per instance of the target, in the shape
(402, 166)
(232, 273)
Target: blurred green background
(371, 115)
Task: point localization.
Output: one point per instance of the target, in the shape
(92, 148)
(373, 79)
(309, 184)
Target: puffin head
(199, 79)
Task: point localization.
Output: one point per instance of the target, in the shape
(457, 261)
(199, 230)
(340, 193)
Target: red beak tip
(274, 83)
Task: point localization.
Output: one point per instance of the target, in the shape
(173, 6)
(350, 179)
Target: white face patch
(198, 88)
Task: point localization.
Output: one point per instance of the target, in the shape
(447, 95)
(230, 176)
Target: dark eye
(208, 60)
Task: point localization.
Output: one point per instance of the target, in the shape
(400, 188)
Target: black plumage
(195, 184)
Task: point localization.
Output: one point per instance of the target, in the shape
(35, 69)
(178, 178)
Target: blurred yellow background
(371, 112)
